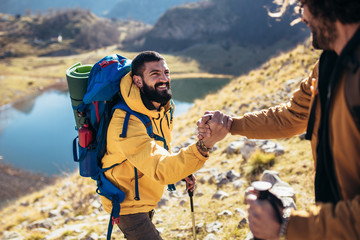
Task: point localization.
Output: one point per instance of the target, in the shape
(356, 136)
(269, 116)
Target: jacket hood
(131, 94)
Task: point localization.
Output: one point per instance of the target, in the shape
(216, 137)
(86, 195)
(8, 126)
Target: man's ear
(138, 81)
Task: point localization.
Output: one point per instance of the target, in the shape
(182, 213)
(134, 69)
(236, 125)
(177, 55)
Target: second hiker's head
(151, 74)
(330, 21)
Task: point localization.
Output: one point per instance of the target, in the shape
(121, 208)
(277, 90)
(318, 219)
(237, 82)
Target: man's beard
(323, 35)
(152, 94)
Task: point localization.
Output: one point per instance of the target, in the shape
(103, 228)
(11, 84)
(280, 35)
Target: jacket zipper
(155, 124)
(162, 133)
(167, 119)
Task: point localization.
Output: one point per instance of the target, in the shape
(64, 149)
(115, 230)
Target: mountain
(143, 10)
(243, 22)
(233, 35)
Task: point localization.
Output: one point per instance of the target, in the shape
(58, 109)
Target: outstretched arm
(282, 121)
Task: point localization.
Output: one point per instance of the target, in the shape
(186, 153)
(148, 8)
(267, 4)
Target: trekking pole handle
(191, 194)
(191, 201)
(262, 188)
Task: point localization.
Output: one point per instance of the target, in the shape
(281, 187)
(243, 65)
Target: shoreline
(59, 84)
(22, 183)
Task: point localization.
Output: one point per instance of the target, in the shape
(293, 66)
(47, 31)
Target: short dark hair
(137, 64)
(346, 11)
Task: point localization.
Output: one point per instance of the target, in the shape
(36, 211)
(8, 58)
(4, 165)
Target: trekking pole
(263, 188)
(192, 213)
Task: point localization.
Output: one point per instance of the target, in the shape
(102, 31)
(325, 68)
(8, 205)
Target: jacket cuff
(197, 153)
(299, 225)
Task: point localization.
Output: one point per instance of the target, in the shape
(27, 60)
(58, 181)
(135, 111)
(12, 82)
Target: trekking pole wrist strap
(285, 222)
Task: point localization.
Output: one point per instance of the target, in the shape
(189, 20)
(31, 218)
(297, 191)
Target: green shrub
(258, 162)
(36, 236)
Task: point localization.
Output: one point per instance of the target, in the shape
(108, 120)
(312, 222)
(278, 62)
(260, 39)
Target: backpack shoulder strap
(147, 122)
(352, 86)
(143, 118)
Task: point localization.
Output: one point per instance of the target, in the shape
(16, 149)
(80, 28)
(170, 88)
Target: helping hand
(213, 127)
(203, 127)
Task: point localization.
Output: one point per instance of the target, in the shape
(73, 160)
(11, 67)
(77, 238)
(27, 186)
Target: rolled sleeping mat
(77, 79)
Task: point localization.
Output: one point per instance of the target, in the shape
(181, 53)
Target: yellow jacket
(321, 221)
(156, 166)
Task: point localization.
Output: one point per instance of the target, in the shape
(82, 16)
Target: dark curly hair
(137, 64)
(346, 11)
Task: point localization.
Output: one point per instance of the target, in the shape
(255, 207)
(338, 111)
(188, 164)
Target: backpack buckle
(115, 220)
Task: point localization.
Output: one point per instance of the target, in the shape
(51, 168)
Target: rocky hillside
(61, 33)
(71, 209)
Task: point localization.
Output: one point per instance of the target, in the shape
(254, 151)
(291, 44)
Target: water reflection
(37, 137)
(189, 89)
(25, 106)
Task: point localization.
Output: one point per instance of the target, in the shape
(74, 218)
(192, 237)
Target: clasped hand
(213, 127)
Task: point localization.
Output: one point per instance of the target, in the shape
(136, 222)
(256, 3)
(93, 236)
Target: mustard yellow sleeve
(282, 121)
(326, 221)
(148, 155)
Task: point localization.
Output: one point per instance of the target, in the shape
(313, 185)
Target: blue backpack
(102, 97)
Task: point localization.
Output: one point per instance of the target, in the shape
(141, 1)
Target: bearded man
(327, 107)
(145, 163)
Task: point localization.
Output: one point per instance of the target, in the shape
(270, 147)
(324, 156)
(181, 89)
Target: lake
(36, 134)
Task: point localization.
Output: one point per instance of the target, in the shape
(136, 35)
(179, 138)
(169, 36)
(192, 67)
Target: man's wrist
(285, 222)
(201, 149)
(203, 146)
